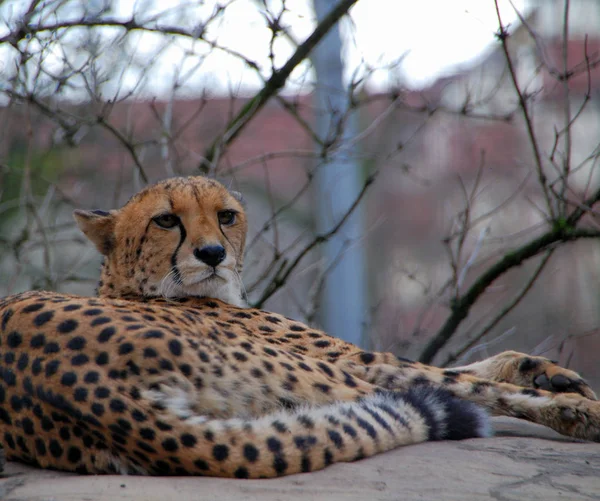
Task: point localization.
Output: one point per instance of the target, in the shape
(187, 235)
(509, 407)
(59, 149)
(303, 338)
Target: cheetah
(167, 372)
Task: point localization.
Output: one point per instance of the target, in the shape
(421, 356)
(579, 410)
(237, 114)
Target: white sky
(433, 36)
(438, 34)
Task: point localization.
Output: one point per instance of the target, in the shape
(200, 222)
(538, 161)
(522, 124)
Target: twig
(463, 272)
(281, 277)
(503, 35)
(566, 110)
(461, 306)
(505, 311)
(273, 85)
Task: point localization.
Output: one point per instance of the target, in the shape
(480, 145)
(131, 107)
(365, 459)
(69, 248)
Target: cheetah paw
(573, 416)
(545, 374)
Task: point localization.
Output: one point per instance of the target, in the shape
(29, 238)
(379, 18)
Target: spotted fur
(167, 373)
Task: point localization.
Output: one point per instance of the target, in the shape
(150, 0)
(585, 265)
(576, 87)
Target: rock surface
(522, 462)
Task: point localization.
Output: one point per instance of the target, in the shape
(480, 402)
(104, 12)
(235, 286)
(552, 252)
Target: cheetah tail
(305, 439)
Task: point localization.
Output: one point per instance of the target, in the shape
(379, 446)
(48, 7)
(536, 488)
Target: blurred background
(421, 177)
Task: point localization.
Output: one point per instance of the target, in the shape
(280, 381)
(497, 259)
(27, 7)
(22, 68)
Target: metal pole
(337, 185)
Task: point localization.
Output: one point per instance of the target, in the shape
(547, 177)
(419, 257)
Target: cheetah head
(181, 237)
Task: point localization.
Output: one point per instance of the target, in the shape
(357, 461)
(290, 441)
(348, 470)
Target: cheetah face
(182, 237)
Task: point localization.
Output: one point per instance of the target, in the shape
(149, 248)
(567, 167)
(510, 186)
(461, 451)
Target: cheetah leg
(568, 413)
(530, 372)
(507, 367)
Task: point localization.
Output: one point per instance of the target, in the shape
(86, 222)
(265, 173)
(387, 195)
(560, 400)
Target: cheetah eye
(166, 220)
(226, 217)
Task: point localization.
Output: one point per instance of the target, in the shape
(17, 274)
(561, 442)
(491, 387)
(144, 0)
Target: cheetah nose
(212, 255)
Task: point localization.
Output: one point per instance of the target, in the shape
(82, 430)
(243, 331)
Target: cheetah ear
(98, 226)
(239, 197)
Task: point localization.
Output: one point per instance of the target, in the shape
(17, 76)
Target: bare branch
(503, 35)
(284, 272)
(461, 306)
(503, 312)
(273, 85)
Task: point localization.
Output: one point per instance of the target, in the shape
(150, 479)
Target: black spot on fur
(304, 442)
(102, 358)
(77, 343)
(280, 465)
(16, 403)
(279, 426)
(8, 375)
(68, 379)
(5, 416)
(55, 449)
(367, 358)
(154, 334)
(147, 434)
(530, 392)
(188, 440)
(175, 347)
(251, 453)
(323, 388)
(43, 318)
(241, 472)
(138, 416)
(241, 357)
(67, 326)
(47, 423)
(242, 314)
(80, 359)
(170, 445)
(201, 464)
(6, 317)
(325, 368)
(14, 339)
(80, 394)
(106, 334)
(30, 308)
(125, 348)
(51, 348)
(91, 377)
(9, 440)
(40, 447)
(274, 445)
(150, 353)
(23, 362)
(117, 405)
(37, 341)
(528, 364)
(52, 367)
(480, 386)
(161, 425)
(220, 452)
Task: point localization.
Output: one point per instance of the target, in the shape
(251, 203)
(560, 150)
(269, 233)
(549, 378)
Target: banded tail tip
(447, 416)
